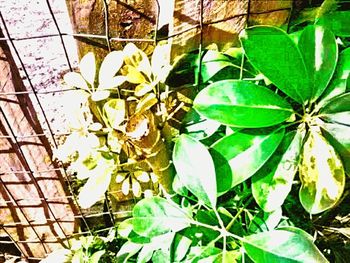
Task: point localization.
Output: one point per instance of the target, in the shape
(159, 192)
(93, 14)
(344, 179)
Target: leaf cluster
(115, 131)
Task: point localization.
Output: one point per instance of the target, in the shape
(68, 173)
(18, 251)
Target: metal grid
(45, 134)
(20, 246)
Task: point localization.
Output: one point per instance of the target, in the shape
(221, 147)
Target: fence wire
(12, 244)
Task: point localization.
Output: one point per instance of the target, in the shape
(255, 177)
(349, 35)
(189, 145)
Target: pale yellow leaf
(88, 68)
(142, 89)
(133, 75)
(75, 80)
(137, 58)
(146, 103)
(142, 176)
(100, 95)
(119, 178)
(160, 61)
(114, 111)
(126, 186)
(97, 184)
(112, 82)
(110, 66)
(96, 126)
(136, 188)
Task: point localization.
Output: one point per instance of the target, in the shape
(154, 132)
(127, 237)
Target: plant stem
(228, 227)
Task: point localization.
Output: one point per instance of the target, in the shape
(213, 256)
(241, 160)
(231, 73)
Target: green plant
(301, 120)
(269, 117)
(297, 121)
(90, 249)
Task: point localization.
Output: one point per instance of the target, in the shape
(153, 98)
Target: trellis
(38, 208)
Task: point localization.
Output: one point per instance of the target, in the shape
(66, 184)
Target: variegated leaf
(321, 174)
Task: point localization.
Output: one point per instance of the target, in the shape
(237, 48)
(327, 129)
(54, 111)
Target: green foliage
(302, 72)
(270, 117)
(87, 249)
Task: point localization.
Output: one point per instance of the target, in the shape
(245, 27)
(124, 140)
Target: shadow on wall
(34, 208)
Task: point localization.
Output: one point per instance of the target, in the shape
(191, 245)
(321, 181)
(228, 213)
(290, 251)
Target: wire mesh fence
(38, 205)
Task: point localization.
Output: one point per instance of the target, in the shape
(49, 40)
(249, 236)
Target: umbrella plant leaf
(340, 80)
(197, 126)
(320, 51)
(337, 104)
(337, 22)
(212, 63)
(114, 112)
(100, 95)
(321, 174)
(184, 71)
(133, 75)
(136, 58)
(111, 82)
(74, 79)
(97, 184)
(87, 68)
(282, 246)
(273, 182)
(276, 55)
(339, 137)
(337, 110)
(239, 155)
(242, 104)
(110, 66)
(157, 216)
(195, 168)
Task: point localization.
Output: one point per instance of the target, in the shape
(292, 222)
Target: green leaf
(184, 71)
(265, 221)
(127, 250)
(159, 242)
(212, 63)
(337, 22)
(337, 104)
(95, 257)
(195, 168)
(197, 126)
(110, 66)
(242, 104)
(181, 247)
(320, 52)
(340, 80)
(281, 246)
(87, 68)
(97, 184)
(339, 137)
(273, 182)
(321, 174)
(337, 110)
(245, 152)
(343, 66)
(276, 55)
(197, 253)
(161, 256)
(156, 216)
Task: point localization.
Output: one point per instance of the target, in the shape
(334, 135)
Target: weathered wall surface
(222, 20)
(34, 208)
(126, 19)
